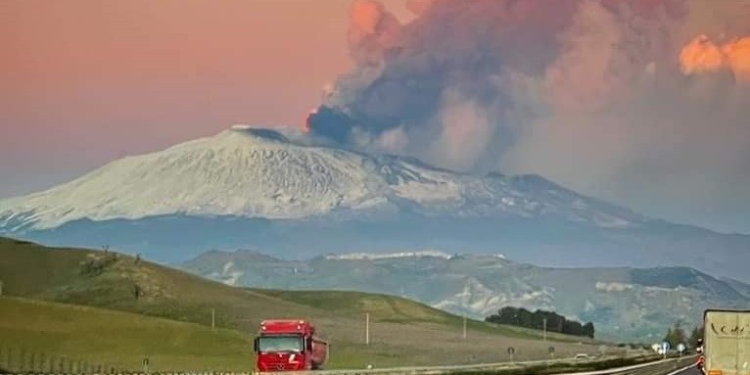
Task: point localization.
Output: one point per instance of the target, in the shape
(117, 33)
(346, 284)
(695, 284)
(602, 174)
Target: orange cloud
(366, 14)
(372, 31)
(702, 55)
(738, 57)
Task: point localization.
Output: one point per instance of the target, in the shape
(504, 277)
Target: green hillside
(97, 338)
(403, 332)
(388, 308)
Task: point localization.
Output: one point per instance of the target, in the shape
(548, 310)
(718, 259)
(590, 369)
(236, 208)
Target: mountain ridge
(302, 173)
(624, 302)
(284, 190)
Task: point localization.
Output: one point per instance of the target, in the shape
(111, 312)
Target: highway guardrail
(652, 365)
(608, 365)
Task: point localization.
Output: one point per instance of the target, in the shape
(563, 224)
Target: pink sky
(84, 83)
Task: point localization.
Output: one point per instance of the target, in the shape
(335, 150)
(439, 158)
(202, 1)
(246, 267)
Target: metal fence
(21, 361)
(26, 361)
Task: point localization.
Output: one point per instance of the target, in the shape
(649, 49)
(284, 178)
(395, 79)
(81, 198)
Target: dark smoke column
(330, 124)
(372, 35)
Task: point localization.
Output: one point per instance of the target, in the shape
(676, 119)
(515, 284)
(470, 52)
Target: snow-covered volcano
(263, 173)
(283, 193)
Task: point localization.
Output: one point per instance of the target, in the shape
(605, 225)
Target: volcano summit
(282, 192)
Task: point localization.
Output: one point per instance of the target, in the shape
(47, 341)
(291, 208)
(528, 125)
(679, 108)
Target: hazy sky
(84, 83)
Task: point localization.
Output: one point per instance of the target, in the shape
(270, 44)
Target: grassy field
(106, 338)
(387, 308)
(402, 332)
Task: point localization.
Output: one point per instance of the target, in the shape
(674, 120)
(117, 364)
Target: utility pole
(545, 329)
(464, 327)
(367, 328)
(1, 288)
(213, 318)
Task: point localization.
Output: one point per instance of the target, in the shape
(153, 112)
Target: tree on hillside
(676, 335)
(668, 336)
(588, 330)
(680, 336)
(696, 334)
(539, 320)
(136, 291)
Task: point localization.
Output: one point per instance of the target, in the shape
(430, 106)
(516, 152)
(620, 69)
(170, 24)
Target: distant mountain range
(623, 303)
(288, 195)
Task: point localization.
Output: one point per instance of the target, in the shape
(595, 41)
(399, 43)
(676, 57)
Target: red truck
(289, 345)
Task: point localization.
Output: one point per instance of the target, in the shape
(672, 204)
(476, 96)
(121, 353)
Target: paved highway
(692, 370)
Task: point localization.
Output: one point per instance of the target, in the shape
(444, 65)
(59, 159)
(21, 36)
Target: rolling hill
(631, 304)
(95, 338)
(402, 331)
(288, 194)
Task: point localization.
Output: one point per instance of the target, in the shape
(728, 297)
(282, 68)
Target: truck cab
(726, 342)
(289, 345)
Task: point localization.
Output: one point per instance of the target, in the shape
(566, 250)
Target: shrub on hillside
(95, 266)
(536, 320)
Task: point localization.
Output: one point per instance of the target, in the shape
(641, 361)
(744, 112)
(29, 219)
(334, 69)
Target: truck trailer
(289, 345)
(726, 342)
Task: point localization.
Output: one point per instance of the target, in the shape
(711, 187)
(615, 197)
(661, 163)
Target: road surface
(692, 370)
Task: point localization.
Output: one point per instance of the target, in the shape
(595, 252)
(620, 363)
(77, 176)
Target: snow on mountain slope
(235, 172)
(256, 172)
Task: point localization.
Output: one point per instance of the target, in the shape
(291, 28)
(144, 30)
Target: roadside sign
(681, 348)
(665, 348)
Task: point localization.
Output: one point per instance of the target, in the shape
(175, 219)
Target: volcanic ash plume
(597, 94)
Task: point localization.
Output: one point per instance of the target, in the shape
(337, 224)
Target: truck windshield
(280, 343)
